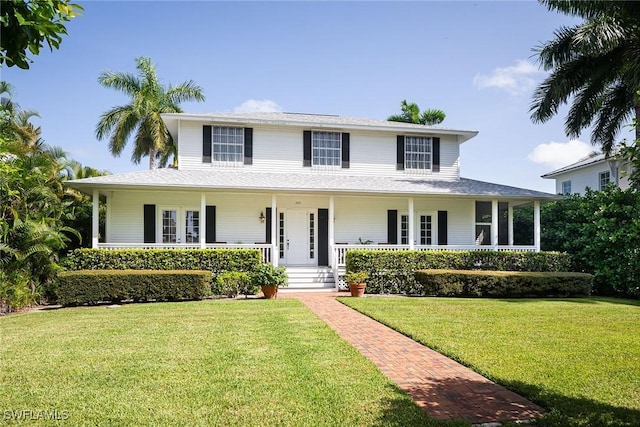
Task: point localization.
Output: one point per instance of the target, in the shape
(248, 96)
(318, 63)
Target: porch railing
(340, 250)
(265, 248)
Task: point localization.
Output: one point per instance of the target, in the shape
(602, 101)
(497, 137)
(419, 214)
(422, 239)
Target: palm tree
(141, 116)
(411, 114)
(595, 66)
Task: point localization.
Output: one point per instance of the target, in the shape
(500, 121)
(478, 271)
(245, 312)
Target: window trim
(429, 152)
(337, 151)
(562, 186)
(240, 159)
(600, 177)
(477, 223)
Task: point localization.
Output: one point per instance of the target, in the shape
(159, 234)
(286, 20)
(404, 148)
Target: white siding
(588, 176)
(237, 214)
(279, 149)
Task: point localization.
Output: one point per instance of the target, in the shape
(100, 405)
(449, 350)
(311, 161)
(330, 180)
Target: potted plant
(357, 282)
(269, 278)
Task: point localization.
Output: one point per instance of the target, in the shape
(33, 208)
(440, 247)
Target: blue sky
(474, 60)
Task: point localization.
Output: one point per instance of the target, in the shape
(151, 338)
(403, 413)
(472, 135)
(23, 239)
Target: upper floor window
(417, 152)
(566, 187)
(326, 149)
(605, 179)
(228, 144)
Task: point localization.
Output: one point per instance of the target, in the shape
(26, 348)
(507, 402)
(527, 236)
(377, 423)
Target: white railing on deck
(265, 248)
(340, 250)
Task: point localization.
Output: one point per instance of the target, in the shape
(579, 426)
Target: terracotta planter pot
(357, 289)
(270, 292)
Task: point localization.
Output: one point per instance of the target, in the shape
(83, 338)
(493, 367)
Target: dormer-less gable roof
(315, 121)
(584, 162)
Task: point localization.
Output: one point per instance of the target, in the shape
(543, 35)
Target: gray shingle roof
(586, 161)
(302, 182)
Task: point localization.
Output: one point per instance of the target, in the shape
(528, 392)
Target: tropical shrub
(95, 286)
(469, 283)
(268, 275)
(601, 232)
(233, 283)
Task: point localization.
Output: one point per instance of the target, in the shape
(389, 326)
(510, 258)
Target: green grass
(579, 358)
(246, 363)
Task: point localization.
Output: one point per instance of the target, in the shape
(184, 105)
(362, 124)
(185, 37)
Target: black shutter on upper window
(206, 144)
(442, 228)
(248, 146)
(267, 224)
(436, 155)
(400, 153)
(149, 225)
(345, 150)
(392, 226)
(210, 228)
(306, 148)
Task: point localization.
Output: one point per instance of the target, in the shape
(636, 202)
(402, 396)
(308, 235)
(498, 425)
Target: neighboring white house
(305, 188)
(594, 171)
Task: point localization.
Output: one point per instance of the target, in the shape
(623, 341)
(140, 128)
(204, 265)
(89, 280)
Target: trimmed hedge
(393, 271)
(465, 283)
(214, 260)
(95, 286)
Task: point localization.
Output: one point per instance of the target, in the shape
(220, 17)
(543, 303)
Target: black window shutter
(210, 233)
(206, 144)
(392, 227)
(400, 153)
(267, 224)
(248, 146)
(306, 148)
(345, 150)
(442, 228)
(436, 155)
(149, 223)
(323, 237)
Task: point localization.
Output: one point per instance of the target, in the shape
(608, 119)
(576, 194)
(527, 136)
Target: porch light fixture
(261, 217)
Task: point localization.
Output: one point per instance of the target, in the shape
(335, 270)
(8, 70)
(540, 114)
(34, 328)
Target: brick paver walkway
(443, 387)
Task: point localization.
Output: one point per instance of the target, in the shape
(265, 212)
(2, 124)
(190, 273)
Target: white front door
(297, 237)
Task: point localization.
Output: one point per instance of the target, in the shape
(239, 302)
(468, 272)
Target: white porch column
(203, 220)
(536, 225)
(411, 223)
(510, 220)
(332, 239)
(275, 253)
(494, 223)
(95, 219)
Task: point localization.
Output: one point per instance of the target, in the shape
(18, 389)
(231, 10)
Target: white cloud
(559, 154)
(257, 106)
(517, 79)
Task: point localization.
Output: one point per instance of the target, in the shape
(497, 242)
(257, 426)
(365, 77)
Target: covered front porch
(305, 230)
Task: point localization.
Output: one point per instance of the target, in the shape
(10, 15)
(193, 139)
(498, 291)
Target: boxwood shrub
(393, 271)
(468, 283)
(95, 286)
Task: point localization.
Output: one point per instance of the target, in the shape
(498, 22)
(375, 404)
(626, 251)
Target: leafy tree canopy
(594, 66)
(27, 25)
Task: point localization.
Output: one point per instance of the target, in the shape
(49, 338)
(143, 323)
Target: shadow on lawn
(577, 300)
(575, 411)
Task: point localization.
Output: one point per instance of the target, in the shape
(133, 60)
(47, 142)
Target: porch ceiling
(303, 182)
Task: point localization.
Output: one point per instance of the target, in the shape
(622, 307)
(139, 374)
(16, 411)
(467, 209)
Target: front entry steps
(310, 279)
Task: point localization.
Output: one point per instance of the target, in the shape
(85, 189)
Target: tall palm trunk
(152, 158)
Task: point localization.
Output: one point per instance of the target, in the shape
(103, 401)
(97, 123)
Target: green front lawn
(254, 362)
(579, 358)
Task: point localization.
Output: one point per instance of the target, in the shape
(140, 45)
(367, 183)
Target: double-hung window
(605, 179)
(326, 148)
(566, 187)
(227, 144)
(417, 152)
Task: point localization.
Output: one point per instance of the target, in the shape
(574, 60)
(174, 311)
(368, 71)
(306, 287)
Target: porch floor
(442, 387)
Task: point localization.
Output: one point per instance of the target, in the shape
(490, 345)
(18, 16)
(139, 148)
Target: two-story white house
(594, 171)
(305, 188)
